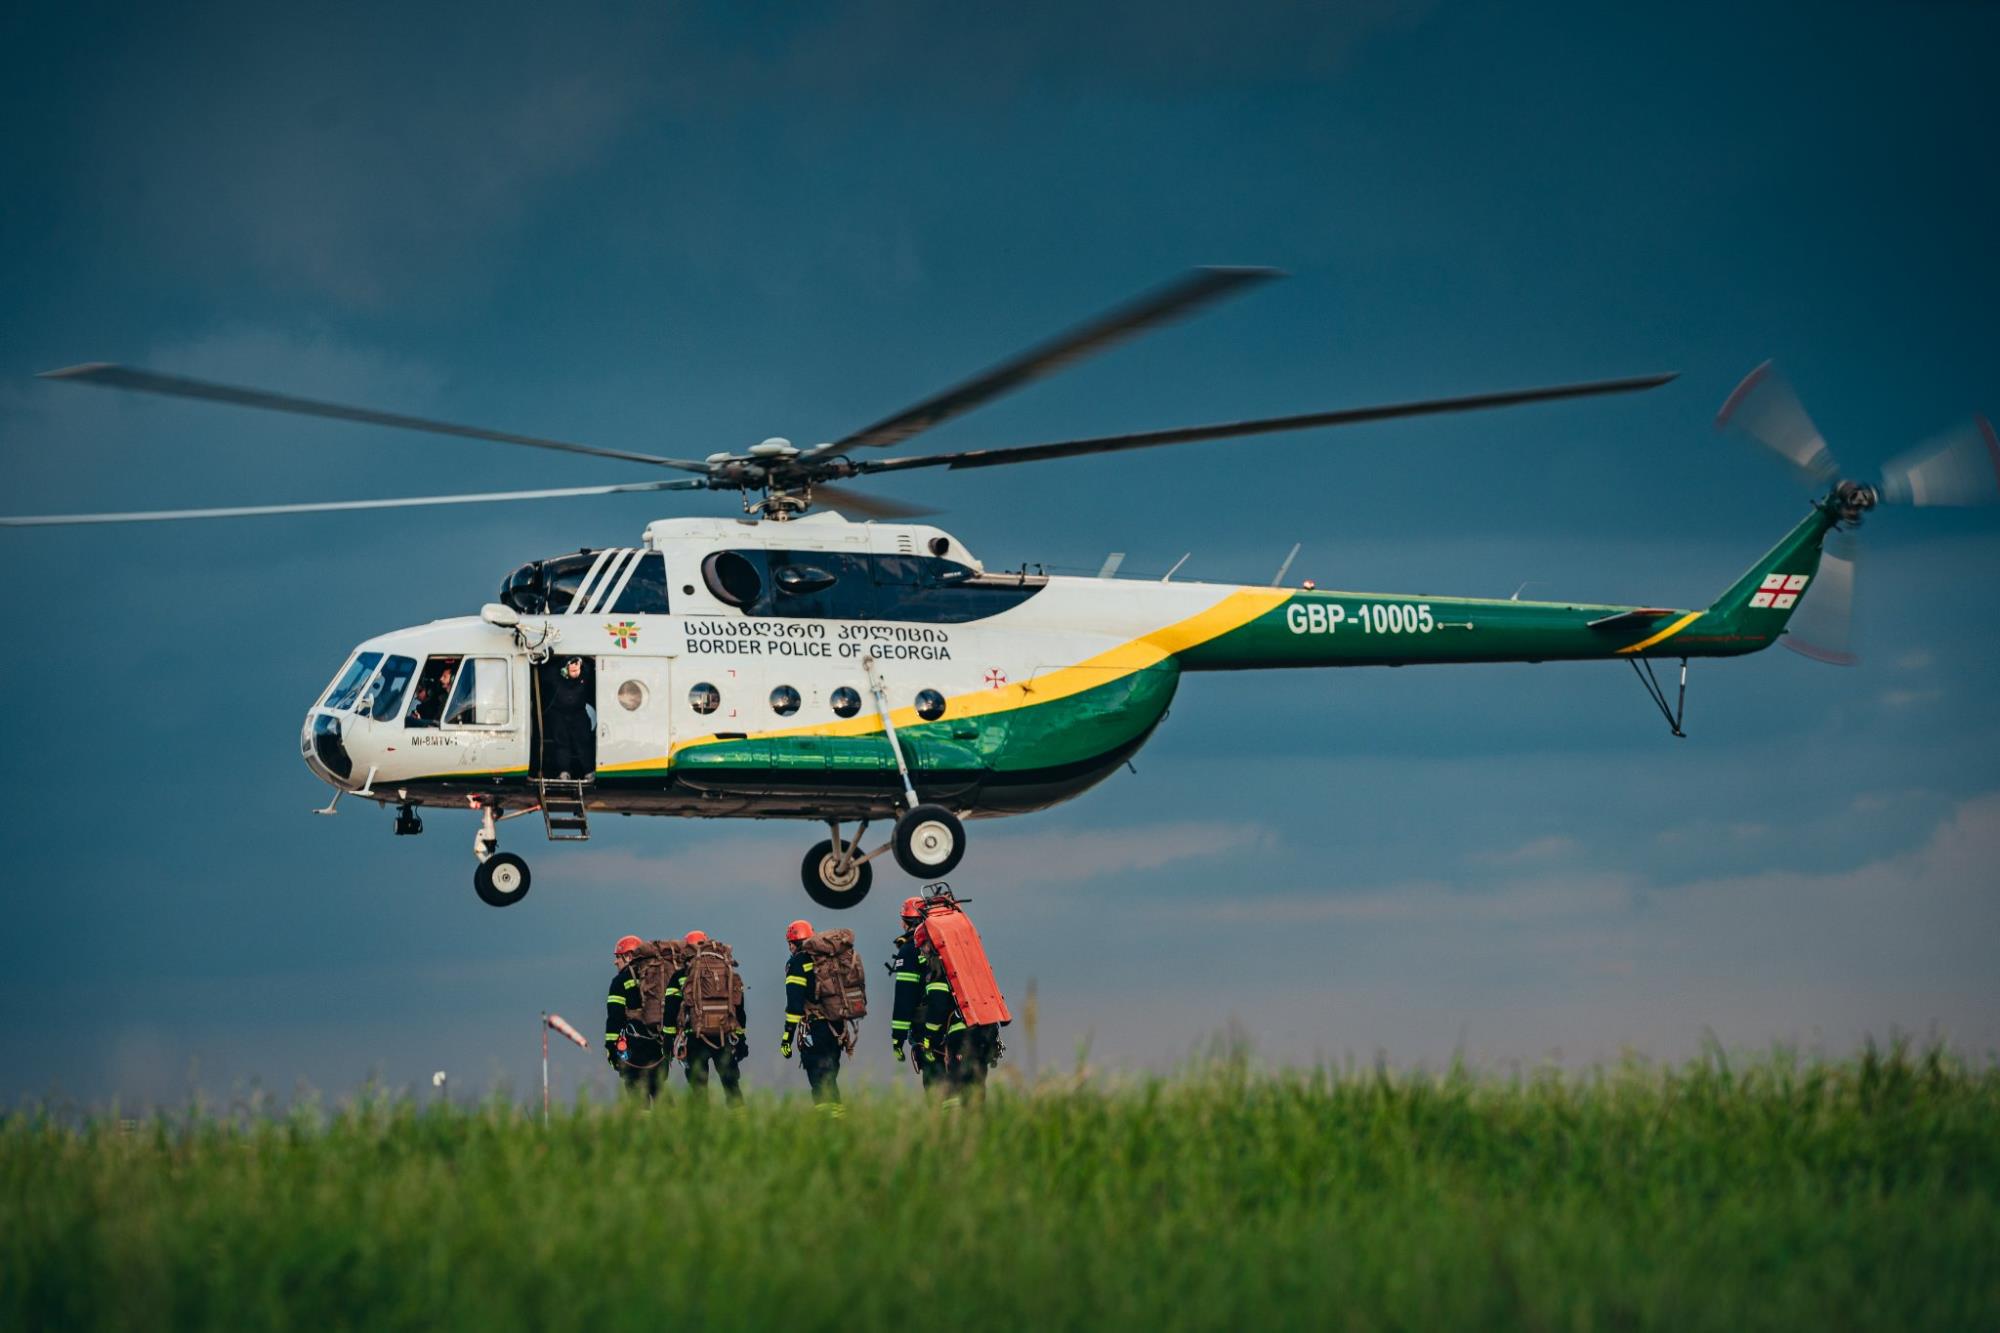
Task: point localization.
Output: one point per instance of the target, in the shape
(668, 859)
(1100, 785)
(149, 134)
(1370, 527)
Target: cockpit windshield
(383, 699)
(348, 688)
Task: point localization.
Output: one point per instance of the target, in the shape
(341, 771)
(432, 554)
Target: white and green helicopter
(799, 665)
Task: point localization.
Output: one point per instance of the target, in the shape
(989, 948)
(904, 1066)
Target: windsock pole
(555, 1021)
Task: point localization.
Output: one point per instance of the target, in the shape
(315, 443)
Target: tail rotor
(1960, 467)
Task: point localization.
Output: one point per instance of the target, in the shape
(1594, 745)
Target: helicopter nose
(324, 749)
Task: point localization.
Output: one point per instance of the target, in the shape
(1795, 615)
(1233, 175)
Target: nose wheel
(501, 878)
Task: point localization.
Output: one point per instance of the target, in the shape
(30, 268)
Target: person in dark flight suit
(566, 723)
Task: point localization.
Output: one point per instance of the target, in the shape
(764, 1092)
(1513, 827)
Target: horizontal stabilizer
(1636, 618)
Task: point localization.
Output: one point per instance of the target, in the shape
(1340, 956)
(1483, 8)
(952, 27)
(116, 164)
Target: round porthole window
(704, 698)
(631, 695)
(846, 701)
(784, 701)
(930, 705)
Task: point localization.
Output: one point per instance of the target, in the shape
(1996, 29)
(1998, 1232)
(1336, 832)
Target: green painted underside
(1076, 729)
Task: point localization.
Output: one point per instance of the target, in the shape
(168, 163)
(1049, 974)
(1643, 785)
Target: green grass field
(1788, 1194)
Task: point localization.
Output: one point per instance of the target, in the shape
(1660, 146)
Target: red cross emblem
(1780, 592)
(996, 678)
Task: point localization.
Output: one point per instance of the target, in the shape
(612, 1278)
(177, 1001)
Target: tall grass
(1783, 1194)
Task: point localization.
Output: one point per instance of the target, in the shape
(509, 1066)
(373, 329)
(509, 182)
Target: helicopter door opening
(565, 738)
(634, 704)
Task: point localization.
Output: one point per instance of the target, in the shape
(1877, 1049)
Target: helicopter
(797, 664)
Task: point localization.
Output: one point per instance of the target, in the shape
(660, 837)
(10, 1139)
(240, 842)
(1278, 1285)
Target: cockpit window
(479, 698)
(645, 592)
(348, 688)
(384, 697)
(427, 709)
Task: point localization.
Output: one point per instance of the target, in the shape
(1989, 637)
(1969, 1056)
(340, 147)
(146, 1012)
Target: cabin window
(348, 688)
(846, 701)
(645, 592)
(479, 697)
(631, 696)
(433, 688)
(785, 701)
(384, 697)
(704, 698)
(930, 705)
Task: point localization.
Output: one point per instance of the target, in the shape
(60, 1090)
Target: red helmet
(798, 930)
(626, 944)
(695, 937)
(912, 907)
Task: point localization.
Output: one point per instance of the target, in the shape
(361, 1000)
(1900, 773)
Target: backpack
(712, 995)
(655, 965)
(840, 991)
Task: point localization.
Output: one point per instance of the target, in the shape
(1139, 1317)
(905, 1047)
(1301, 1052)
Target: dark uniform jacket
(643, 1045)
(910, 963)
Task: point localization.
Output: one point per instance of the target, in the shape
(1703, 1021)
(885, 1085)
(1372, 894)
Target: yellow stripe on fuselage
(1232, 612)
(1666, 633)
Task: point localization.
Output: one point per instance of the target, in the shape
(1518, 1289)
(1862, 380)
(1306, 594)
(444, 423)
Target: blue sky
(684, 232)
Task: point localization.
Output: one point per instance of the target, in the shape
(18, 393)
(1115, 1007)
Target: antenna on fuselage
(1278, 579)
(1168, 577)
(1111, 563)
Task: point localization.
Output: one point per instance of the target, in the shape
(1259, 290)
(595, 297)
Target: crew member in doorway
(566, 737)
(635, 1049)
(909, 966)
(819, 1040)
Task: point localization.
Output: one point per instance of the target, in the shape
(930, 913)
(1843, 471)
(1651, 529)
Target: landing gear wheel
(930, 842)
(830, 886)
(501, 880)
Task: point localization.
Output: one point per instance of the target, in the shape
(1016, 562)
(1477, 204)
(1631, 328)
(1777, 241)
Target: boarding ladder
(563, 814)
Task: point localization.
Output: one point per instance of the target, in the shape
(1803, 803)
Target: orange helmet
(798, 930)
(695, 937)
(912, 907)
(626, 944)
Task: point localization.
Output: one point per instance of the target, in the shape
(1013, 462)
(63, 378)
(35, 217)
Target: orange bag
(949, 933)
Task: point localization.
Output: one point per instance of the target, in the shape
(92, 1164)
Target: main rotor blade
(333, 506)
(1179, 298)
(1764, 408)
(132, 379)
(1028, 453)
(874, 506)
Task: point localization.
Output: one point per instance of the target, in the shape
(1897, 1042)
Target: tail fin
(1756, 609)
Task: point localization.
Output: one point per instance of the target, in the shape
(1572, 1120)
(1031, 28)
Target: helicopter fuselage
(742, 678)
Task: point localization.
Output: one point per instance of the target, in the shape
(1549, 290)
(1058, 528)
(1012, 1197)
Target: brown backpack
(840, 989)
(655, 965)
(712, 995)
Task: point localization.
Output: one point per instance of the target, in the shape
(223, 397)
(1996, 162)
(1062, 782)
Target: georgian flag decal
(1780, 592)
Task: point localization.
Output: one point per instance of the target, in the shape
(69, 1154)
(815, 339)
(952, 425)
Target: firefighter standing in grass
(634, 1049)
(961, 1052)
(821, 1048)
(910, 965)
(698, 1057)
